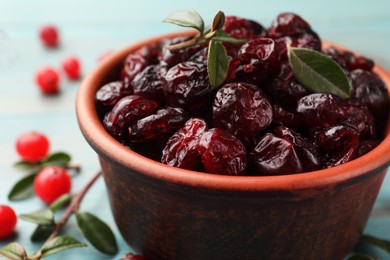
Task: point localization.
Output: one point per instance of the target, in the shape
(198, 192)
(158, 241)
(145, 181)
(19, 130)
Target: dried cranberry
(339, 143)
(367, 146)
(241, 110)
(321, 109)
(362, 121)
(283, 117)
(288, 24)
(108, 95)
(130, 256)
(159, 125)
(149, 83)
(305, 149)
(348, 60)
(222, 153)
(274, 156)
(306, 40)
(181, 149)
(188, 85)
(125, 112)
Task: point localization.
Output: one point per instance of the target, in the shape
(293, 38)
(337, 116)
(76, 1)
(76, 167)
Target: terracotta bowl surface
(170, 213)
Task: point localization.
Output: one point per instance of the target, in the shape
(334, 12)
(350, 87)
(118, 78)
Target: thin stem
(199, 39)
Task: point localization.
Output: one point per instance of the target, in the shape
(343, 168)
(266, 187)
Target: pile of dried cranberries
(261, 121)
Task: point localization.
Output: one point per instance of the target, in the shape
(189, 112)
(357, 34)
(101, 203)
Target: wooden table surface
(88, 29)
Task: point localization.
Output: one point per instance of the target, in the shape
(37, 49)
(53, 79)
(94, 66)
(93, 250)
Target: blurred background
(90, 28)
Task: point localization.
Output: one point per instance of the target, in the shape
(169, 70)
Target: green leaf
(42, 232)
(41, 217)
(218, 21)
(59, 244)
(61, 201)
(24, 164)
(14, 251)
(318, 72)
(23, 189)
(382, 243)
(60, 159)
(217, 63)
(97, 232)
(187, 18)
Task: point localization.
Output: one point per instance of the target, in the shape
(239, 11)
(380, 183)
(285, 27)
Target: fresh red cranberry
(71, 66)
(367, 146)
(108, 95)
(321, 109)
(32, 146)
(362, 121)
(222, 153)
(339, 143)
(288, 24)
(49, 36)
(181, 149)
(305, 149)
(348, 60)
(8, 221)
(48, 80)
(159, 125)
(242, 110)
(274, 156)
(51, 183)
(284, 117)
(149, 83)
(130, 256)
(128, 110)
(188, 86)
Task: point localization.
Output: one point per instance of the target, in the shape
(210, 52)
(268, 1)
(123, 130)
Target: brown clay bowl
(169, 213)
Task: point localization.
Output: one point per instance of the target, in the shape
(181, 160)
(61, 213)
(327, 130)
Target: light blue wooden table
(91, 27)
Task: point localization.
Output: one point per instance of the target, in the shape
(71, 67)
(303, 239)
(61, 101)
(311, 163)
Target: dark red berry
(127, 111)
(8, 221)
(71, 66)
(130, 256)
(242, 110)
(149, 83)
(51, 183)
(288, 24)
(348, 60)
(362, 121)
(367, 146)
(159, 125)
(284, 117)
(49, 36)
(274, 156)
(32, 146)
(108, 95)
(181, 149)
(47, 79)
(222, 153)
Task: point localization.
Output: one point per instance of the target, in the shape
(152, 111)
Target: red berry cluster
(262, 121)
(47, 78)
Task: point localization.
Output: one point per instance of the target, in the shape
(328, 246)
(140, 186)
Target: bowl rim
(106, 146)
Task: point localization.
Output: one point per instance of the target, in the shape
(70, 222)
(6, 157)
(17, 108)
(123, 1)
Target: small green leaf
(61, 201)
(318, 72)
(59, 244)
(60, 159)
(23, 189)
(41, 217)
(24, 165)
(42, 232)
(97, 232)
(382, 243)
(187, 18)
(217, 63)
(218, 21)
(14, 251)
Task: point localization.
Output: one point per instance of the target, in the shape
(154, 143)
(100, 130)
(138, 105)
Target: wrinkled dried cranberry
(274, 156)
(367, 146)
(108, 95)
(130, 256)
(159, 125)
(149, 83)
(307, 40)
(305, 149)
(288, 24)
(362, 121)
(188, 86)
(181, 149)
(348, 60)
(242, 110)
(321, 109)
(222, 153)
(125, 112)
(286, 118)
(340, 144)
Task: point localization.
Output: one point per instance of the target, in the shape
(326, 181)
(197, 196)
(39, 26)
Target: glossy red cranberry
(338, 143)
(306, 150)
(322, 109)
(49, 36)
(159, 125)
(362, 121)
(32, 146)
(181, 149)
(71, 66)
(274, 156)
(108, 95)
(241, 28)
(47, 80)
(51, 183)
(349, 61)
(367, 146)
(222, 153)
(242, 110)
(284, 117)
(288, 24)
(8, 221)
(188, 86)
(149, 83)
(128, 110)
(130, 256)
